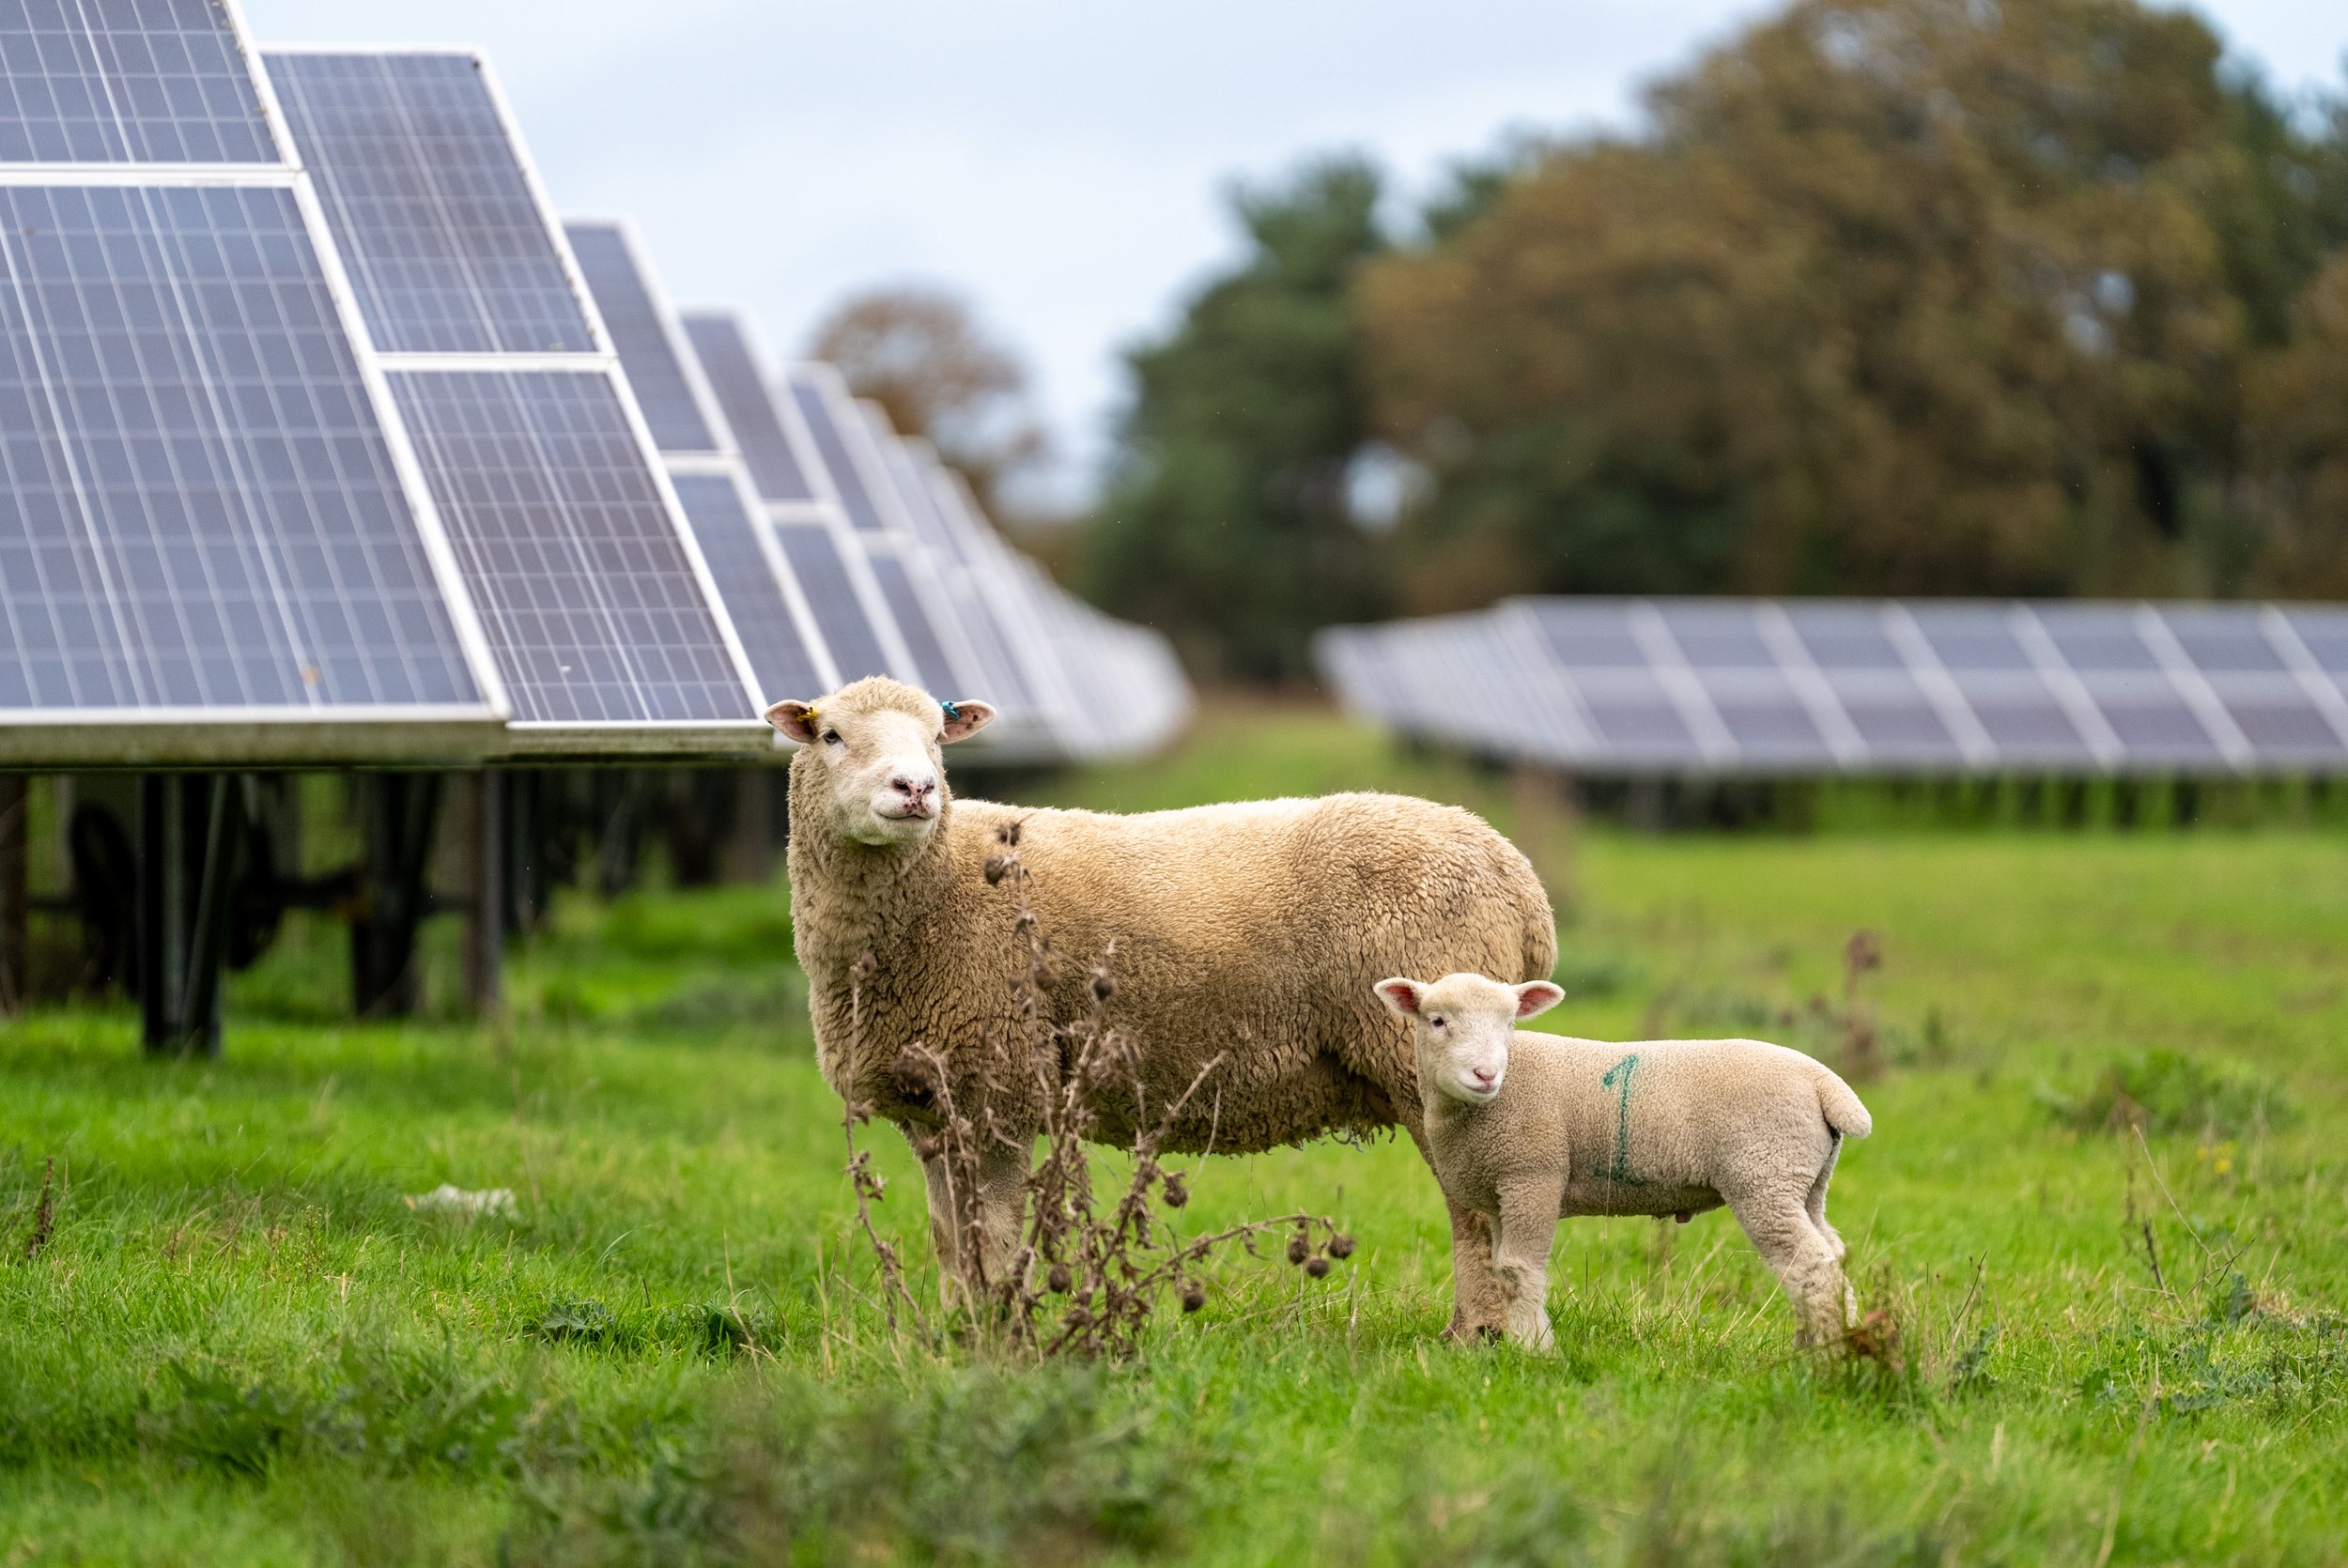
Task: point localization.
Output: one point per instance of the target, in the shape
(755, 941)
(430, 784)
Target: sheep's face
(875, 747)
(1465, 1024)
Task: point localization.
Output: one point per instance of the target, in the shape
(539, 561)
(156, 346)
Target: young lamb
(1251, 932)
(1655, 1126)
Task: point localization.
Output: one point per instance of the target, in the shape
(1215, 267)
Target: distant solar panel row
(1738, 687)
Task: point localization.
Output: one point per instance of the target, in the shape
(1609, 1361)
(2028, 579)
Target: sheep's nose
(915, 791)
(1484, 1077)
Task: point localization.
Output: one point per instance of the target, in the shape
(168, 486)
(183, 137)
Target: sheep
(1655, 1126)
(1249, 930)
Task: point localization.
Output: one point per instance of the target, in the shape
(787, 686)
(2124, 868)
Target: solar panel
(831, 597)
(914, 620)
(1813, 687)
(633, 317)
(126, 82)
(824, 418)
(722, 345)
(432, 208)
(200, 507)
(588, 594)
(771, 636)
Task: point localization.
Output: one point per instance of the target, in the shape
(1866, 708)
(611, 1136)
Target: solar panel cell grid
(831, 598)
(1715, 637)
(126, 82)
(589, 597)
(444, 241)
(1593, 637)
(632, 318)
(761, 617)
(816, 412)
(198, 506)
(748, 407)
(912, 620)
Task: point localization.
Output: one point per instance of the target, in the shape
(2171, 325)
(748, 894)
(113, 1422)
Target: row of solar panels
(321, 441)
(1630, 687)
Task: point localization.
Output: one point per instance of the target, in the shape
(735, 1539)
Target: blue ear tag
(953, 710)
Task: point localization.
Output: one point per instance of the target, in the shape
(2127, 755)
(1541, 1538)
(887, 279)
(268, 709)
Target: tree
(921, 354)
(1898, 296)
(1226, 520)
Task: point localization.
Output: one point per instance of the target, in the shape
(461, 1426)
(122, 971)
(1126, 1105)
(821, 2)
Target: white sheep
(1245, 935)
(1526, 1128)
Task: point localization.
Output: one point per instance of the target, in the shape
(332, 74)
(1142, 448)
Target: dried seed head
(1194, 1296)
(998, 866)
(865, 967)
(1177, 1194)
(1299, 1249)
(1011, 831)
(1316, 1266)
(1340, 1246)
(1102, 984)
(1060, 1279)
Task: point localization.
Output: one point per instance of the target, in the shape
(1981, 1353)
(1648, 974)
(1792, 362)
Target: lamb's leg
(1816, 1205)
(1476, 1310)
(994, 1206)
(945, 1220)
(1002, 1207)
(1776, 1217)
(1528, 1228)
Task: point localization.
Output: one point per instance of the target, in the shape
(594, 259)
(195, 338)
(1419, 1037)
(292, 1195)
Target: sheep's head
(1465, 1024)
(874, 746)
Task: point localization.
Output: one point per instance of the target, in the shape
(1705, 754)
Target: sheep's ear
(1536, 997)
(1399, 994)
(965, 719)
(794, 719)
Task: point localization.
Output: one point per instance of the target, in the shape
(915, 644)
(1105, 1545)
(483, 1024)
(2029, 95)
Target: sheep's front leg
(1528, 1228)
(1475, 1305)
(1002, 1207)
(984, 1205)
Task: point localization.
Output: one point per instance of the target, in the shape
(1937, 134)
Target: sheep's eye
(1436, 1020)
(832, 737)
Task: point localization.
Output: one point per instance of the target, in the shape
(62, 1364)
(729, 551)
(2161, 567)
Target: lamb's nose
(1484, 1076)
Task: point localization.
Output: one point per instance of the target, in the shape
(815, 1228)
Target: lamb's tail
(1844, 1114)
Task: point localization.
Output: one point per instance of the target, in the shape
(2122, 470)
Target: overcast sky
(1060, 163)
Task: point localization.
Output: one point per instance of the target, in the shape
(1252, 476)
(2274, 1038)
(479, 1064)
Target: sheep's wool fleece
(1646, 1126)
(1255, 931)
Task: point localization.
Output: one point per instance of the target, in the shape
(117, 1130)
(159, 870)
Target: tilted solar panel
(587, 592)
(779, 653)
(824, 415)
(913, 619)
(632, 317)
(200, 507)
(729, 363)
(126, 82)
(831, 597)
(447, 246)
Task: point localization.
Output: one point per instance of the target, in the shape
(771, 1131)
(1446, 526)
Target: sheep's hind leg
(1817, 1203)
(1528, 1228)
(1778, 1223)
(1476, 1309)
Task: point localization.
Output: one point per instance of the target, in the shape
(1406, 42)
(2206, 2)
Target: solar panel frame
(264, 150)
(573, 735)
(261, 735)
(689, 423)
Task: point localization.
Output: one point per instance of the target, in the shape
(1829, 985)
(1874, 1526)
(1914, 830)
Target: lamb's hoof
(1475, 1334)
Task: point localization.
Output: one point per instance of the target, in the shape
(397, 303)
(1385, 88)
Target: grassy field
(236, 1339)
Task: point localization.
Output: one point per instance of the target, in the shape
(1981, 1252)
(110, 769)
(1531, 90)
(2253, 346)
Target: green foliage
(1227, 523)
(2176, 1091)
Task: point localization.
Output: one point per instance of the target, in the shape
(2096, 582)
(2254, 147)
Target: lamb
(1252, 931)
(1655, 1126)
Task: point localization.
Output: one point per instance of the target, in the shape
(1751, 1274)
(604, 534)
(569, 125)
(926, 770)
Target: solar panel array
(207, 546)
(321, 442)
(600, 606)
(1726, 686)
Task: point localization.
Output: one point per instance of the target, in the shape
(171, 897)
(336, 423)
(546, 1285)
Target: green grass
(240, 1344)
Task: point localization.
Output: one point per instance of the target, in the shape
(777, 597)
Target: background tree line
(1911, 297)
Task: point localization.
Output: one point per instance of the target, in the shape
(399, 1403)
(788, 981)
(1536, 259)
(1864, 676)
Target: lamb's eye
(832, 737)
(1436, 1020)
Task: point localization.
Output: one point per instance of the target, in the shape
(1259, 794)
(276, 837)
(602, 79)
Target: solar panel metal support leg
(16, 967)
(397, 811)
(484, 920)
(187, 897)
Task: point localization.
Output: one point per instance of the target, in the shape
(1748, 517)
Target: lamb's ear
(794, 719)
(1399, 994)
(1536, 997)
(965, 719)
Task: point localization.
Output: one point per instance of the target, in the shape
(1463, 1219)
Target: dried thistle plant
(1082, 1276)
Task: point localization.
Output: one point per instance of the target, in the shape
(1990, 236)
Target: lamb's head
(874, 748)
(1465, 1024)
